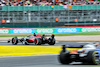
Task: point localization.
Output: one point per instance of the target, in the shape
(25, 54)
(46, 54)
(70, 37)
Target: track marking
(84, 42)
(3, 41)
(28, 55)
(6, 41)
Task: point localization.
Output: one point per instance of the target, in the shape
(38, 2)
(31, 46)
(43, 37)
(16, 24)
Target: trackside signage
(4, 31)
(48, 30)
(44, 30)
(66, 30)
(91, 29)
(22, 31)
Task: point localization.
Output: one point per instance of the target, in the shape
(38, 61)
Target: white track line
(84, 42)
(27, 55)
(3, 41)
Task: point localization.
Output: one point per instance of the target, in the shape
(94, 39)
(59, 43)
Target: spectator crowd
(46, 2)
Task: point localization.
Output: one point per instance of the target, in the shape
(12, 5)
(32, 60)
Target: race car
(36, 39)
(88, 54)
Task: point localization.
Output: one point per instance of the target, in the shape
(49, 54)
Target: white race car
(88, 54)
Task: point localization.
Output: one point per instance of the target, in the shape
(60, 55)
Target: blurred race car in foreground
(88, 54)
(36, 39)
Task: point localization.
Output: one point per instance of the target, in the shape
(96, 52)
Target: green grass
(69, 34)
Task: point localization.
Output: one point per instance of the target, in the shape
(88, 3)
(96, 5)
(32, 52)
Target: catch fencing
(73, 15)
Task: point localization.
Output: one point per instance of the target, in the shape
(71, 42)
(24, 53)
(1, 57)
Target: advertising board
(22, 31)
(66, 30)
(4, 31)
(45, 30)
(48, 30)
(90, 29)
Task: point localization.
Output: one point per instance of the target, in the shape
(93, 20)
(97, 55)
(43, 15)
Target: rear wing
(71, 46)
(48, 35)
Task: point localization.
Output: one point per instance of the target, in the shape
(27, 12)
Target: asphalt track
(58, 43)
(40, 60)
(37, 61)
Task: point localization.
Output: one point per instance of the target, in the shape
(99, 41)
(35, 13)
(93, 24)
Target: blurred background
(49, 13)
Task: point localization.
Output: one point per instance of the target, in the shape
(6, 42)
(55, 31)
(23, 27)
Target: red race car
(36, 39)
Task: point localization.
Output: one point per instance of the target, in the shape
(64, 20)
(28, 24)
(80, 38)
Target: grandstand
(43, 13)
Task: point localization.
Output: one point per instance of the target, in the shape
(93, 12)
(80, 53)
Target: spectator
(45, 2)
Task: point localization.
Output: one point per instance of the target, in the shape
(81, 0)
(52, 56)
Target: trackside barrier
(49, 30)
(22, 31)
(5, 31)
(66, 30)
(90, 29)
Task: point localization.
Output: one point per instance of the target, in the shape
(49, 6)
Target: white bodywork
(86, 48)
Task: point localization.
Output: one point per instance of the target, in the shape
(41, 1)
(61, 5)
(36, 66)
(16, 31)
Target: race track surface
(37, 61)
(58, 43)
(40, 60)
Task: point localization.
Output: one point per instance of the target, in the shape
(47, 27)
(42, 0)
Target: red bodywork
(34, 37)
(74, 51)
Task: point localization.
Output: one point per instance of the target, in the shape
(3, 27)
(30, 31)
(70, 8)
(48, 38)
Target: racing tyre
(14, 40)
(37, 41)
(64, 57)
(93, 57)
(43, 40)
(51, 41)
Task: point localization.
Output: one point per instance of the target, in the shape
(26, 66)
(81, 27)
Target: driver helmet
(34, 34)
(43, 35)
(96, 44)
